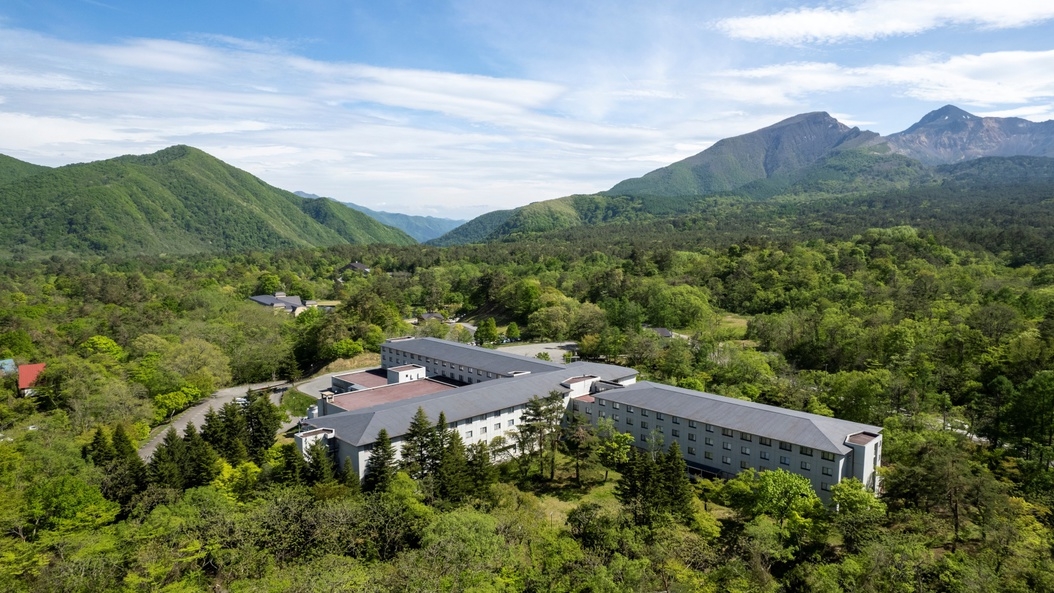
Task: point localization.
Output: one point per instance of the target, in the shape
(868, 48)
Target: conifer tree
(262, 421)
(168, 462)
(294, 468)
(481, 471)
(350, 478)
(201, 466)
(320, 468)
(380, 467)
(125, 475)
(123, 446)
(452, 479)
(676, 486)
(100, 451)
(417, 446)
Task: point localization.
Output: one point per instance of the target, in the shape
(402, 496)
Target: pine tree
(262, 421)
(481, 472)
(580, 441)
(417, 445)
(320, 468)
(202, 460)
(350, 478)
(125, 475)
(294, 469)
(168, 462)
(676, 486)
(100, 451)
(380, 467)
(452, 479)
(123, 446)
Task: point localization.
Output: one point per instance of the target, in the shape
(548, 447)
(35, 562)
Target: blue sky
(459, 107)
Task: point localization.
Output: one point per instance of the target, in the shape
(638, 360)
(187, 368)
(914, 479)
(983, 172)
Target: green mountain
(12, 169)
(177, 200)
(421, 228)
(806, 157)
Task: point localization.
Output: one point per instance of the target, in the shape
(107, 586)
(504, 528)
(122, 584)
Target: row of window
(443, 363)
(728, 432)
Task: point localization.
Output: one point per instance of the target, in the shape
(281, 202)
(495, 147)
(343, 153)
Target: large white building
(483, 392)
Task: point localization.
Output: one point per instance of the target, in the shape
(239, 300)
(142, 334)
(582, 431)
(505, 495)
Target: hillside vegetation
(178, 200)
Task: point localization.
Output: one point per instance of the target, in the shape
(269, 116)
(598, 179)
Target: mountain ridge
(810, 153)
(421, 228)
(176, 200)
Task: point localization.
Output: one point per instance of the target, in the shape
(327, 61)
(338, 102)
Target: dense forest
(945, 341)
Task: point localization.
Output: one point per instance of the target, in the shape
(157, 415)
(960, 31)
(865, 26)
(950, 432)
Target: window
(744, 450)
(468, 434)
(614, 405)
(725, 459)
(784, 460)
(490, 375)
(743, 464)
(629, 409)
(461, 367)
(600, 402)
(709, 428)
(727, 446)
(709, 441)
(785, 446)
(482, 430)
(691, 436)
(643, 412)
(643, 424)
(708, 455)
(726, 432)
(643, 438)
(511, 422)
(805, 465)
(603, 414)
(691, 450)
(659, 416)
(675, 419)
(764, 455)
(826, 456)
(765, 441)
(805, 450)
(614, 417)
(826, 471)
(746, 436)
(629, 421)
(691, 424)
(497, 426)
(676, 433)
(825, 486)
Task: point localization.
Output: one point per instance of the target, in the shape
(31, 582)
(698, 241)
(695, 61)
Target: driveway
(555, 349)
(196, 413)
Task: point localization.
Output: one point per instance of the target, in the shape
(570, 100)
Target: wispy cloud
(876, 19)
(1011, 77)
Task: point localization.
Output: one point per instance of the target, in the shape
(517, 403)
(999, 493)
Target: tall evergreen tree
(100, 451)
(202, 460)
(452, 478)
(580, 441)
(380, 467)
(481, 471)
(676, 486)
(168, 462)
(262, 421)
(417, 446)
(320, 468)
(125, 475)
(293, 470)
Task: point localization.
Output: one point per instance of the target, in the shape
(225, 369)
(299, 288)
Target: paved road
(555, 349)
(196, 414)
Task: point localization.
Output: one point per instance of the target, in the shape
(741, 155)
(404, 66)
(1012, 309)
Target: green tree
(262, 421)
(380, 467)
(320, 467)
(487, 332)
(580, 442)
(512, 331)
(417, 449)
(452, 479)
(169, 462)
(202, 461)
(614, 447)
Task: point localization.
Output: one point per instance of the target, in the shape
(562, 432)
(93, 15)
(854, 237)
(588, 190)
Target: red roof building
(28, 373)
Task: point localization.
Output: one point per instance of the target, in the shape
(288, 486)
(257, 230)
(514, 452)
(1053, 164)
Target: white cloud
(1012, 77)
(876, 19)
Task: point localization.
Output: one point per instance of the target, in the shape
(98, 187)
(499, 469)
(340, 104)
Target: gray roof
(288, 302)
(360, 427)
(792, 426)
(7, 366)
(494, 361)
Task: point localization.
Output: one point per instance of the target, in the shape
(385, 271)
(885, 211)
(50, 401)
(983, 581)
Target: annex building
(483, 392)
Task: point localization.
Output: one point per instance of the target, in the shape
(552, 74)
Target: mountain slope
(477, 230)
(12, 169)
(177, 200)
(951, 135)
(730, 163)
(421, 228)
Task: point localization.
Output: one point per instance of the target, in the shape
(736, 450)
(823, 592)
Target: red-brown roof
(357, 400)
(28, 373)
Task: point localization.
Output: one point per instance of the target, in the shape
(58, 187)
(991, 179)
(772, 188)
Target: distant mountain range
(178, 200)
(421, 228)
(808, 155)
